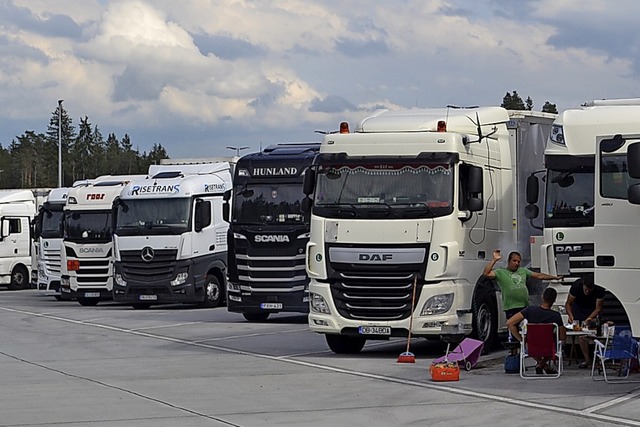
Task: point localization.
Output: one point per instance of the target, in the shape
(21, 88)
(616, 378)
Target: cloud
(331, 104)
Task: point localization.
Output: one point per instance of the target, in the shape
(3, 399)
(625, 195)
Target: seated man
(584, 304)
(539, 314)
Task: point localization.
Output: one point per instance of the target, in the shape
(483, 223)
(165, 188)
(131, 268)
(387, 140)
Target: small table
(573, 356)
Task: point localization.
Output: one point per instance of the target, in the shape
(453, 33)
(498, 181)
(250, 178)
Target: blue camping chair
(615, 354)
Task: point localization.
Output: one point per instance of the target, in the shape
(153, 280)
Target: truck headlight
(319, 305)
(437, 304)
(180, 279)
(119, 280)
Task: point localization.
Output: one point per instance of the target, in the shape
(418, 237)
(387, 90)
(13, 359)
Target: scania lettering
(590, 215)
(170, 237)
(418, 198)
(86, 256)
(268, 233)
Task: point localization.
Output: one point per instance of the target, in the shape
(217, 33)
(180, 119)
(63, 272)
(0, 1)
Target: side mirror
(633, 160)
(633, 194)
(305, 205)
(475, 204)
(613, 144)
(531, 211)
(202, 215)
(226, 207)
(226, 196)
(475, 180)
(309, 181)
(532, 189)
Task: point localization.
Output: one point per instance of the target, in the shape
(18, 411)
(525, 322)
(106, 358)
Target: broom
(407, 356)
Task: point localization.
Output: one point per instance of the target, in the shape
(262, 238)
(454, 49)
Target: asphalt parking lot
(110, 365)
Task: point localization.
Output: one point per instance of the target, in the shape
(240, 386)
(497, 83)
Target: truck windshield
(153, 216)
(88, 226)
(389, 189)
(264, 203)
(52, 223)
(570, 197)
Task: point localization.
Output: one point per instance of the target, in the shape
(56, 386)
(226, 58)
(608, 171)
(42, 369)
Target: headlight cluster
(557, 135)
(437, 304)
(180, 279)
(319, 305)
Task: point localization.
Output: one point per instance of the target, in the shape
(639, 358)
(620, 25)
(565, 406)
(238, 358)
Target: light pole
(238, 149)
(60, 143)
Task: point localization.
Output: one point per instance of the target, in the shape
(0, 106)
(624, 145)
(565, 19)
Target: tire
(256, 317)
(19, 278)
(88, 302)
(141, 305)
(485, 317)
(213, 292)
(343, 344)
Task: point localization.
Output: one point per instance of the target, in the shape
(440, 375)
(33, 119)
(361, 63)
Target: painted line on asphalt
(581, 413)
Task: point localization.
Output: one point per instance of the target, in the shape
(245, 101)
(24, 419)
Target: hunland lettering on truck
(417, 196)
(268, 233)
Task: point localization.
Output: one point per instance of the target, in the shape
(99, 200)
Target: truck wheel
(256, 317)
(18, 278)
(88, 302)
(485, 317)
(342, 344)
(213, 293)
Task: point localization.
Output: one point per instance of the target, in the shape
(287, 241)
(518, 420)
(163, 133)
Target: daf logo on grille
(147, 254)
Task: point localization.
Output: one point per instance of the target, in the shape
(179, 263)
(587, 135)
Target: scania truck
(590, 216)
(268, 233)
(417, 199)
(170, 237)
(86, 256)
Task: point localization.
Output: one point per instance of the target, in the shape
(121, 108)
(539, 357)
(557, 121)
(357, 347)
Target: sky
(198, 76)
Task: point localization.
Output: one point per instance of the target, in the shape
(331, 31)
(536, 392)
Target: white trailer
(589, 213)
(170, 238)
(417, 196)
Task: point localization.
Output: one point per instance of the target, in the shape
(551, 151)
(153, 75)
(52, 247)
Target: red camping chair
(541, 340)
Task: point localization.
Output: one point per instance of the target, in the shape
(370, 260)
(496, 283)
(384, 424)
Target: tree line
(31, 159)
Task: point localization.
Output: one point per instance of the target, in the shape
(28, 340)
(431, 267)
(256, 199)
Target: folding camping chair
(616, 353)
(541, 340)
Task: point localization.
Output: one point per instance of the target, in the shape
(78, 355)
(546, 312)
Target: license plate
(148, 297)
(92, 294)
(271, 305)
(374, 330)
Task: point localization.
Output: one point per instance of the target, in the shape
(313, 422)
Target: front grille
(581, 257)
(52, 261)
(378, 292)
(161, 267)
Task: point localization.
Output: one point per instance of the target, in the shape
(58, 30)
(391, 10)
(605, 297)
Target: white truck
(17, 209)
(589, 214)
(86, 255)
(418, 198)
(170, 238)
(49, 227)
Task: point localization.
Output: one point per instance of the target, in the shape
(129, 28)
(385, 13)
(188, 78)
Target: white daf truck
(17, 209)
(86, 255)
(590, 215)
(418, 198)
(170, 238)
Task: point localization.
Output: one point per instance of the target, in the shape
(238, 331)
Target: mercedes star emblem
(147, 254)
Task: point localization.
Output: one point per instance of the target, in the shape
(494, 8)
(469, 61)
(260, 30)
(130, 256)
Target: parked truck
(590, 216)
(49, 228)
(170, 237)
(17, 209)
(268, 233)
(417, 199)
(86, 255)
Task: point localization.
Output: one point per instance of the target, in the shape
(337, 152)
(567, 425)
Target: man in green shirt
(513, 281)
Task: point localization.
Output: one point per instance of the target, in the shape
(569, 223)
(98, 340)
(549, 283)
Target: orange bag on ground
(445, 371)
